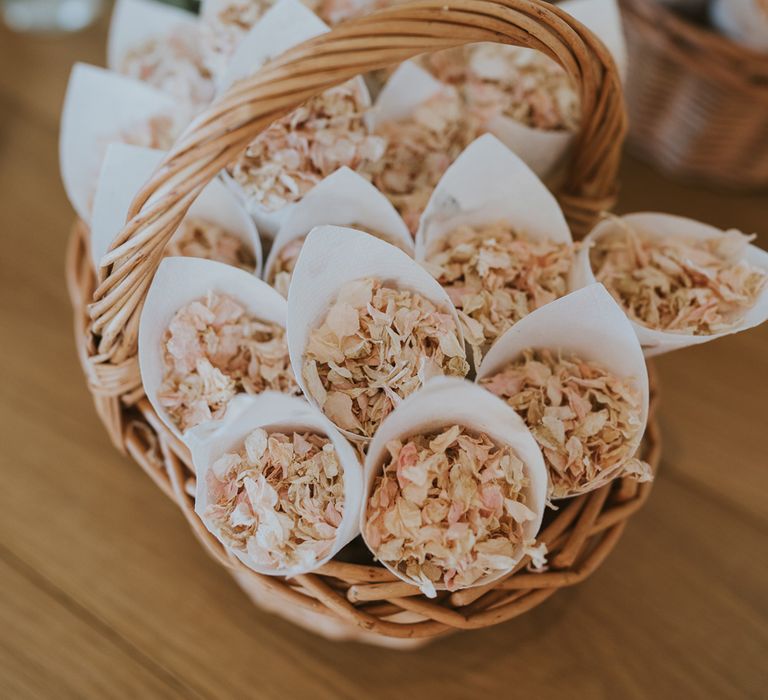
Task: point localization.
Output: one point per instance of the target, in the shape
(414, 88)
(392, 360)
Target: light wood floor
(104, 593)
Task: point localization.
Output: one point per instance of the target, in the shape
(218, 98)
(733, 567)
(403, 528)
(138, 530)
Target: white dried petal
(638, 470)
(255, 445)
(223, 464)
(338, 407)
(314, 383)
(518, 511)
(538, 555)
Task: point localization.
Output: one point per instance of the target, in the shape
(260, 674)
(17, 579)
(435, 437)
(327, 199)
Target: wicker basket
(698, 103)
(352, 596)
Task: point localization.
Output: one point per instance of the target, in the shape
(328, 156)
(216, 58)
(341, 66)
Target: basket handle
(375, 41)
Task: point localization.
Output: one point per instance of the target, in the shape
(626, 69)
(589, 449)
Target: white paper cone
(603, 18)
(283, 26)
(276, 412)
(407, 88)
(179, 281)
(344, 198)
(134, 22)
(220, 39)
(744, 21)
(99, 106)
(444, 402)
(541, 150)
(485, 184)
(656, 342)
(587, 323)
(126, 168)
(333, 256)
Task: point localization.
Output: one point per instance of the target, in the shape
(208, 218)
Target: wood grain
(106, 593)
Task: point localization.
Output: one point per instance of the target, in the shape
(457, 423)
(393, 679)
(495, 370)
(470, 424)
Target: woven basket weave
(352, 596)
(698, 102)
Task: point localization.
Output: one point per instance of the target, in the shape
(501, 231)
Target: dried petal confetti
(448, 508)
(678, 284)
(197, 238)
(524, 85)
(585, 419)
(419, 150)
(224, 24)
(335, 11)
(296, 152)
(282, 269)
(212, 350)
(280, 498)
(510, 81)
(173, 64)
(495, 276)
(376, 345)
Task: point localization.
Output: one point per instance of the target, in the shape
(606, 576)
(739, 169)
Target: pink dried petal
(408, 458)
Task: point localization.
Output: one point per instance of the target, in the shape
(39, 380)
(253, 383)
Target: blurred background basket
(353, 597)
(698, 102)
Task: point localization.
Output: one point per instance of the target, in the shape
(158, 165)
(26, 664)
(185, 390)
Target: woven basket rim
(696, 114)
(108, 302)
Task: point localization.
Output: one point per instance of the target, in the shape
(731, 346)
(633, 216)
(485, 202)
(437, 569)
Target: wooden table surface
(106, 594)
